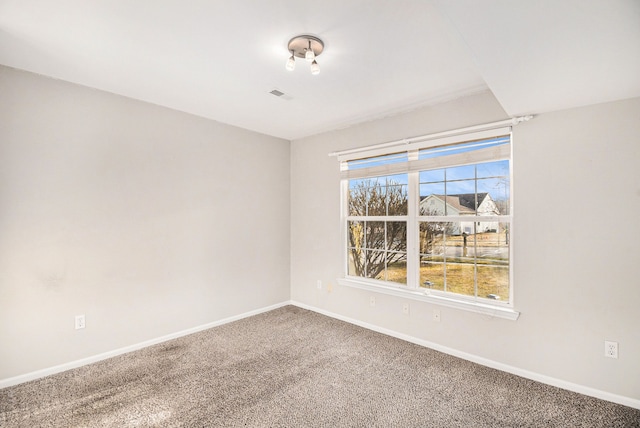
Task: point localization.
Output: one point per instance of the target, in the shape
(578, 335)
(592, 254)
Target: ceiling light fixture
(307, 47)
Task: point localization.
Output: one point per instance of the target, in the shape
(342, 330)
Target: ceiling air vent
(278, 93)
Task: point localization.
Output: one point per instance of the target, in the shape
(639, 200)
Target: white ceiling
(220, 58)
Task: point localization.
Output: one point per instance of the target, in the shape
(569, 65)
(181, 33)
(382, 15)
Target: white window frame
(413, 167)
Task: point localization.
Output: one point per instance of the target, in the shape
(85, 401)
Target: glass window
(377, 229)
(453, 206)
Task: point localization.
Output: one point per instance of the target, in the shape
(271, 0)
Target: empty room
(359, 213)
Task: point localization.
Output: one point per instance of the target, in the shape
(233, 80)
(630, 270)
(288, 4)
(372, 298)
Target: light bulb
(309, 55)
(315, 68)
(291, 63)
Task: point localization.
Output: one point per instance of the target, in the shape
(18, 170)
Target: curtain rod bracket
(520, 119)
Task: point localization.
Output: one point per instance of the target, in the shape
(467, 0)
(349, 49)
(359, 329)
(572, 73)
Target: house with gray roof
(466, 204)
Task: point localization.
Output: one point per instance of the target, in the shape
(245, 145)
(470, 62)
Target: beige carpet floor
(295, 368)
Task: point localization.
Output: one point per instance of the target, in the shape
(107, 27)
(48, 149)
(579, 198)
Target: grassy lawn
(491, 279)
(397, 273)
(492, 273)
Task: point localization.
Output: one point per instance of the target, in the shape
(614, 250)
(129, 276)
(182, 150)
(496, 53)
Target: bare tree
(374, 245)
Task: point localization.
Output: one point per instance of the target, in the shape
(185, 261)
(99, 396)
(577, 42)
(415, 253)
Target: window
(433, 220)
(377, 228)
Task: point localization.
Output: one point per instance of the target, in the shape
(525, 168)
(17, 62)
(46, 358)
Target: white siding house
(462, 205)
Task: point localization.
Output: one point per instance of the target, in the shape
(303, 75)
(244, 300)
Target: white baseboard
(619, 399)
(95, 358)
(592, 392)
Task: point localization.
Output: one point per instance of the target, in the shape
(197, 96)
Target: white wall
(575, 281)
(147, 220)
(150, 221)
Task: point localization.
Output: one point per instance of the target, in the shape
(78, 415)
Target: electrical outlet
(329, 287)
(610, 349)
(372, 301)
(80, 322)
(405, 308)
(436, 315)
(319, 284)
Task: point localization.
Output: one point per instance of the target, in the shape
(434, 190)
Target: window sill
(425, 296)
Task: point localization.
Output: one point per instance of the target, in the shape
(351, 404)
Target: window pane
(432, 238)
(460, 242)
(397, 251)
(432, 275)
(374, 235)
(432, 176)
(461, 199)
(397, 179)
(375, 264)
(355, 232)
(460, 258)
(432, 199)
(358, 195)
(493, 197)
(461, 172)
(355, 235)
(493, 169)
(493, 179)
(356, 262)
(396, 236)
(397, 200)
(397, 267)
(460, 278)
(492, 243)
(493, 282)
(498, 191)
(432, 254)
(460, 202)
(376, 197)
